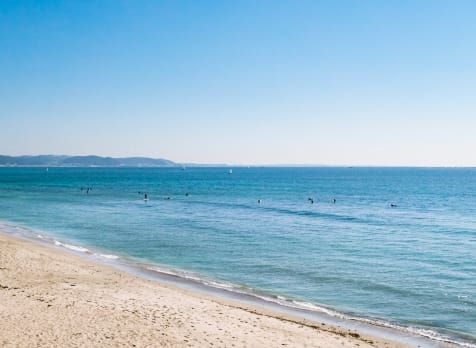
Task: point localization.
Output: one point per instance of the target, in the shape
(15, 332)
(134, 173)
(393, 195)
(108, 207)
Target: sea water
(392, 245)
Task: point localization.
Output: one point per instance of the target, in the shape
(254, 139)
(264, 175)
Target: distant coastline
(84, 161)
(93, 161)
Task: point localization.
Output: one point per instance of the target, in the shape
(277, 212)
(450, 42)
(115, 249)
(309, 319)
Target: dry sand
(49, 298)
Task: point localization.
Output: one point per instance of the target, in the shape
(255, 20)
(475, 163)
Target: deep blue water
(412, 265)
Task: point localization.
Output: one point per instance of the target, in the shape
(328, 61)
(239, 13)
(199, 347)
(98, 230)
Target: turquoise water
(412, 265)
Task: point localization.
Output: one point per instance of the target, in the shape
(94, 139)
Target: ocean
(394, 246)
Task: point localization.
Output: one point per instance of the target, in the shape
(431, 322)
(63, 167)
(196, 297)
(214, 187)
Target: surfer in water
(146, 198)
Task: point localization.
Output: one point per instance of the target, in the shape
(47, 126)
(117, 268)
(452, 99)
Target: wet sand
(50, 298)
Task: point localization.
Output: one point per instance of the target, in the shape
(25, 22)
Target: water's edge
(250, 297)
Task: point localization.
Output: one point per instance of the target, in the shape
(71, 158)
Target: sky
(381, 83)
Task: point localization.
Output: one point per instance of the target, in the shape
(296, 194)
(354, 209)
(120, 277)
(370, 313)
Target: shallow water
(412, 265)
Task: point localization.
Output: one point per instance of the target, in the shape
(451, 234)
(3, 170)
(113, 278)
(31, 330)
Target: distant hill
(145, 162)
(83, 161)
(87, 161)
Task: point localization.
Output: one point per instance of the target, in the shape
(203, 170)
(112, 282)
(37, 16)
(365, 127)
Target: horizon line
(198, 164)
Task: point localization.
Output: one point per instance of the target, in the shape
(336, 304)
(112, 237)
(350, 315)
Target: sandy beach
(49, 298)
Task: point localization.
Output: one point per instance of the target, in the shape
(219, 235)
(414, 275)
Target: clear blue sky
(241, 82)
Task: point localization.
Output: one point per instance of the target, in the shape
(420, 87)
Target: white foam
(107, 256)
(193, 277)
(155, 269)
(72, 247)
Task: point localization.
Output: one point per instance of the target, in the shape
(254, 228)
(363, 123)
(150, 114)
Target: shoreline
(50, 297)
(353, 333)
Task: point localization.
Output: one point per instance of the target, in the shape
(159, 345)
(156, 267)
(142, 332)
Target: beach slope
(49, 298)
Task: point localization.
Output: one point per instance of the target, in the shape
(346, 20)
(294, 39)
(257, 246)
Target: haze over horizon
(253, 83)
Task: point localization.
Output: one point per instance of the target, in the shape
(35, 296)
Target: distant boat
(230, 171)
